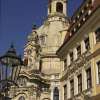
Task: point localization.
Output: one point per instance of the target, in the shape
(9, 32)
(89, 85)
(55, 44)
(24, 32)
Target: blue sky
(17, 17)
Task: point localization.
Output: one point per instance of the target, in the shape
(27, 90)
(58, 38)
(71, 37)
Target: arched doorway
(56, 93)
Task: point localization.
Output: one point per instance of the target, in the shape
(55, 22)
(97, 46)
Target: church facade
(61, 56)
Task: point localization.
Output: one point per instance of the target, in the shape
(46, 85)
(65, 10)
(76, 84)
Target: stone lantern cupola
(57, 6)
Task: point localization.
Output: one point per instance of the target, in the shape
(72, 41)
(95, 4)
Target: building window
(59, 7)
(88, 74)
(98, 65)
(80, 83)
(65, 64)
(72, 88)
(87, 43)
(65, 92)
(97, 34)
(56, 94)
(71, 56)
(79, 50)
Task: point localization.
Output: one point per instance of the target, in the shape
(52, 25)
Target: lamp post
(10, 66)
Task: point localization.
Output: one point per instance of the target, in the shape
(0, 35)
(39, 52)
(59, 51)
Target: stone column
(52, 89)
(92, 40)
(84, 81)
(75, 53)
(68, 60)
(83, 46)
(68, 88)
(61, 92)
(75, 85)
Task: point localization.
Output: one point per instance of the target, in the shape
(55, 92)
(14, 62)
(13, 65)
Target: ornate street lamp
(10, 66)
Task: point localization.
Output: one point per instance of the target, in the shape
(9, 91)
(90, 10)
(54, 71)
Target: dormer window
(59, 7)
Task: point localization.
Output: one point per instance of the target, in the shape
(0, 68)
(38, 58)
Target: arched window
(59, 7)
(50, 8)
(21, 98)
(56, 94)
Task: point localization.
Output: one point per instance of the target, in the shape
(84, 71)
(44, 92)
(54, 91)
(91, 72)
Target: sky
(17, 17)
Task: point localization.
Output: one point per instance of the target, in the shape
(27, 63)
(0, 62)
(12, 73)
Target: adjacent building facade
(62, 57)
(81, 54)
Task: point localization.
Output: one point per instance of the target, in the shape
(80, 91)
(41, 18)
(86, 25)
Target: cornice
(48, 55)
(56, 15)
